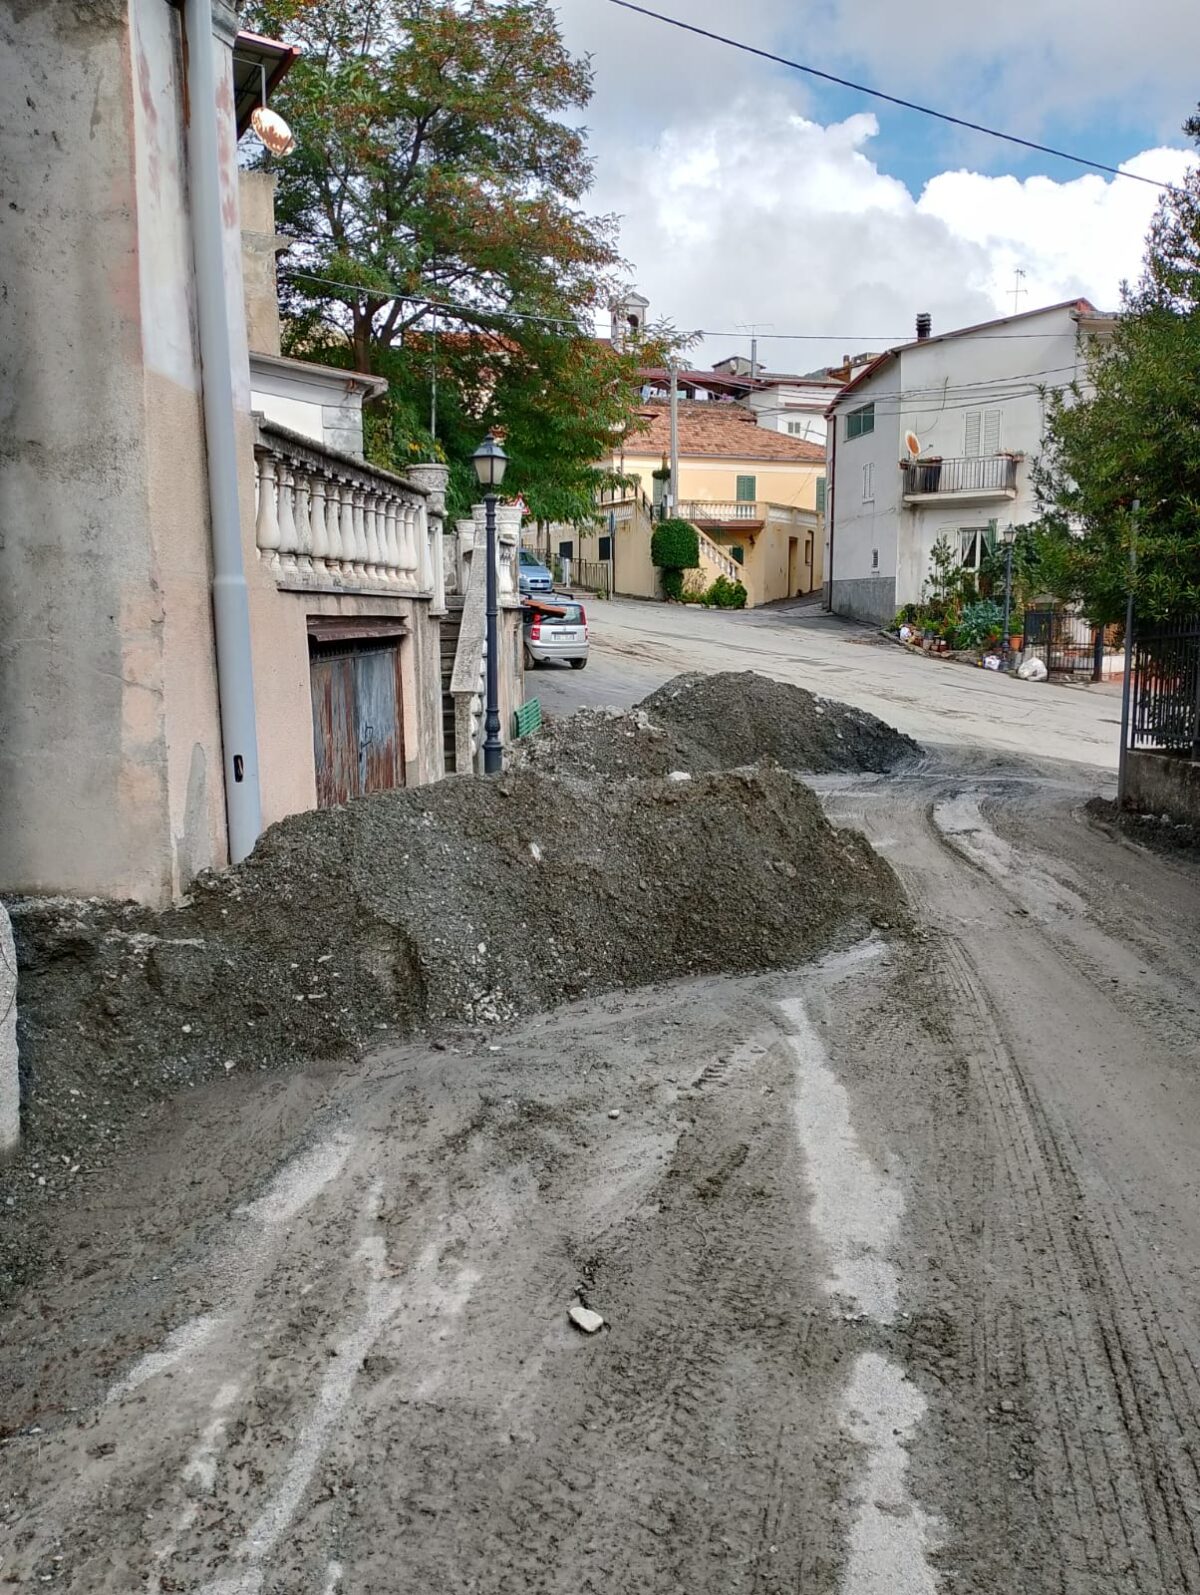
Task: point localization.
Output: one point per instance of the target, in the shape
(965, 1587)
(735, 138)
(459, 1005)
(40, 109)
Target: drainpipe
(830, 505)
(231, 607)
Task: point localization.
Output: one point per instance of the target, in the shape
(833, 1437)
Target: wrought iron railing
(988, 473)
(1164, 704)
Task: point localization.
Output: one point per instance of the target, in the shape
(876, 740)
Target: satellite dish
(272, 130)
(913, 444)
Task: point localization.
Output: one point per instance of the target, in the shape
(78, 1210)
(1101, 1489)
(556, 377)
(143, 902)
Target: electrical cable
(891, 99)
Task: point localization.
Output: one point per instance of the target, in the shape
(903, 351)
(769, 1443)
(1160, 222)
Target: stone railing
(719, 558)
(467, 681)
(328, 522)
(721, 512)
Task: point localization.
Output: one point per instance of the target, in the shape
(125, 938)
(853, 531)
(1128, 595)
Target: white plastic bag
(1032, 670)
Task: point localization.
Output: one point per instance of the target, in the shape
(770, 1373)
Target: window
(747, 489)
(739, 554)
(976, 541)
(821, 495)
(874, 559)
(868, 482)
(605, 549)
(981, 433)
(860, 422)
(797, 429)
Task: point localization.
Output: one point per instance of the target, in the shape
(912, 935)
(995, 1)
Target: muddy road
(898, 1256)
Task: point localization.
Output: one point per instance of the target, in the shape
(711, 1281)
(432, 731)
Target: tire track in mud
(1112, 1494)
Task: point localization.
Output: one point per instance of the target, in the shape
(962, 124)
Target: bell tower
(629, 314)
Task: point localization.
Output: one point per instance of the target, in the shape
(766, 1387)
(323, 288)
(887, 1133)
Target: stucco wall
(776, 482)
(104, 769)
(1164, 783)
(261, 244)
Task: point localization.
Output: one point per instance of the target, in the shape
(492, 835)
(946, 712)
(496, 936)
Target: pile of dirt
(1159, 832)
(739, 717)
(722, 722)
(463, 904)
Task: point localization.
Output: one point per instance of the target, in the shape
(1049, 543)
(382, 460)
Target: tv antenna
(1017, 291)
(754, 328)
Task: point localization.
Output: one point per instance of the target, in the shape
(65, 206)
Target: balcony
(716, 512)
(328, 522)
(988, 476)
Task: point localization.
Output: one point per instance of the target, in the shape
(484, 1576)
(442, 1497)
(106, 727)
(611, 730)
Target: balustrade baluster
(392, 539)
(303, 523)
(287, 521)
(266, 523)
(424, 558)
(370, 522)
(320, 532)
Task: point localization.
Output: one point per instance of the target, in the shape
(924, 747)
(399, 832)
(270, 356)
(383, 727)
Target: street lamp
(490, 462)
(1008, 536)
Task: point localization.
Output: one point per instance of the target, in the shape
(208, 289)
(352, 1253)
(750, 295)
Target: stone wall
(1164, 783)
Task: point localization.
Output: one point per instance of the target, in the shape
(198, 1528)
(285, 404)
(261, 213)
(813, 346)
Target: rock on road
(898, 1257)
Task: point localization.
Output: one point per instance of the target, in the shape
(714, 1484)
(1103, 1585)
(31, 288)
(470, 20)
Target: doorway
(358, 725)
(793, 578)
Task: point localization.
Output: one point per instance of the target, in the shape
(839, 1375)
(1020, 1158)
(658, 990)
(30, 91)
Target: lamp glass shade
(1008, 534)
(490, 463)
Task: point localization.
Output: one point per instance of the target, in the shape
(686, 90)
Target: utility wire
(886, 341)
(891, 99)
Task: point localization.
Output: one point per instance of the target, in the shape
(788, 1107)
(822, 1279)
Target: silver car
(556, 628)
(532, 575)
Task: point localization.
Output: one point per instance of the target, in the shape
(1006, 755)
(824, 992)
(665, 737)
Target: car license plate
(563, 636)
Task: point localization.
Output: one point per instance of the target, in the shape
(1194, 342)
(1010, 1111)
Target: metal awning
(253, 58)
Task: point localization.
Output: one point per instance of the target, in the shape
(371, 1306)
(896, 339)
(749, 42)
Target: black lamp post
(490, 463)
(1008, 536)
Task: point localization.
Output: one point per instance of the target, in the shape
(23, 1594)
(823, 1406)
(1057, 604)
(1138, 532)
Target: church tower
(629, 314)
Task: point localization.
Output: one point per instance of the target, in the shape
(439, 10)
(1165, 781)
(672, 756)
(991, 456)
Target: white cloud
(757, 214)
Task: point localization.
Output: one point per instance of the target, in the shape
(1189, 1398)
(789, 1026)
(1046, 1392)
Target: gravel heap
(614, 856)
(721, 722)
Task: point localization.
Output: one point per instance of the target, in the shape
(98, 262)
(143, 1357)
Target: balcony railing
(987, 476)
(718, 512)
(329, 522)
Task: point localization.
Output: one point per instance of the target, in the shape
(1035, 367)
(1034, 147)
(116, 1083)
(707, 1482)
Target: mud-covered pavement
(899, 1257)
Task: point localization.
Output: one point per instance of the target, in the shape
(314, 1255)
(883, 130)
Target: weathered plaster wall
(83, 779)
(261, 244)
(1164, 783)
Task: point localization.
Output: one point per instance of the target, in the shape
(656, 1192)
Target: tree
(431, 166)
(1133, 432)
(435, 196)
(674, 548)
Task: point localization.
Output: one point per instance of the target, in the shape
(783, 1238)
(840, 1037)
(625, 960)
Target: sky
(753, 194)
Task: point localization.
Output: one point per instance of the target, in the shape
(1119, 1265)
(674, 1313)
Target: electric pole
(673, 485)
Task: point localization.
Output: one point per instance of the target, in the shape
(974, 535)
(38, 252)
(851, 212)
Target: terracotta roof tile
(719, 431)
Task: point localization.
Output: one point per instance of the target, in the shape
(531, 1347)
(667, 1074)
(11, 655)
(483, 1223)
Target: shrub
(724, 594)
(978, 622)
(673, 583)
(675, 545)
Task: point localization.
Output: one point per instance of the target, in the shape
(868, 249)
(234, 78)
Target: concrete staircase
(717, 561)
(451, 626)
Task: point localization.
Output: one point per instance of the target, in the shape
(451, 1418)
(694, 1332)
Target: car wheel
(530, 662)
(578, 664)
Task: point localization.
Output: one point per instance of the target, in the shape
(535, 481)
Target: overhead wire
(892, 99)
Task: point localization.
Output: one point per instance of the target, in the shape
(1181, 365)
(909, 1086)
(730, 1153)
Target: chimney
(924, 326)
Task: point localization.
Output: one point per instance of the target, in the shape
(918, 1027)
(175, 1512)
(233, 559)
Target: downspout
(231, 606)
(830, 507)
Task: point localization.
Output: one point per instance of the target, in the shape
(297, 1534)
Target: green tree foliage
(433, 168)
(1134, 433)
(675, 545)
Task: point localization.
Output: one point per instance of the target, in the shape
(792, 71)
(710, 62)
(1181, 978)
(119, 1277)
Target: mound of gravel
(463, 904)
(607, 742)
(739, 717)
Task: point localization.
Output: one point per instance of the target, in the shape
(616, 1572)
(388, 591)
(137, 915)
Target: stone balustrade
(328, 522)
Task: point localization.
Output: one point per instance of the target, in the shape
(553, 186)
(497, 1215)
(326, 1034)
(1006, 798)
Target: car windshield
(527, 558)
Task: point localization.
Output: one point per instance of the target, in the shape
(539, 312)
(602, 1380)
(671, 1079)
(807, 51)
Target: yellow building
(754, 495)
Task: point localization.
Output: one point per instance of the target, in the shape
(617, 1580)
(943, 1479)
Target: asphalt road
(638, 646)
(898, 1254)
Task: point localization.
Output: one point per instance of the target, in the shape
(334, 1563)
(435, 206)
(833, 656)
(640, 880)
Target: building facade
(938, 438)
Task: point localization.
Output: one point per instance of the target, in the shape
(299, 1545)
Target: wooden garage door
(358, 730)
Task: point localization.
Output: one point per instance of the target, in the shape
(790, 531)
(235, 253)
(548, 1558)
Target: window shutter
(973, 426)
(820, 495)
(747, 489)
(991, 431)
(868, 481)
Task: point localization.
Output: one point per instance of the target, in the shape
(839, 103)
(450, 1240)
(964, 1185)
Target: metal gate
(358, 729)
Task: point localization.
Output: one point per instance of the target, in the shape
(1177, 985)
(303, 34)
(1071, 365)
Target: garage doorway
(358, 717)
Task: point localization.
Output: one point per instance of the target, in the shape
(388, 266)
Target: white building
(939, 436)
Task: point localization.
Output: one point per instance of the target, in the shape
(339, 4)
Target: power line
(886, 341)
(891, 99)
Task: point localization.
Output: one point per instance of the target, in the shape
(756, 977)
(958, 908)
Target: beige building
(213, 613)
(753, 495)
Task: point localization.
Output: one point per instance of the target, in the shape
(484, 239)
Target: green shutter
(820, 495)
(747, 489)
